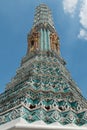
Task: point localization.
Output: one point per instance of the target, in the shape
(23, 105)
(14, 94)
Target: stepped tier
(47, 93)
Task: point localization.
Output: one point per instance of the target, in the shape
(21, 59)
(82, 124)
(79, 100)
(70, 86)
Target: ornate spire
(43, 15)
(43, 36)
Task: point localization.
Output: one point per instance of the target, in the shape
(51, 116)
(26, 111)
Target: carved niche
(33, 41)
(55, 42)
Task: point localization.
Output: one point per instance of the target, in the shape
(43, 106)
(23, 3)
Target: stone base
(21, 124)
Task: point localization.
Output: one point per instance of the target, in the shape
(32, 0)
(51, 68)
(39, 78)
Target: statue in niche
(33, 41)
(54, 42)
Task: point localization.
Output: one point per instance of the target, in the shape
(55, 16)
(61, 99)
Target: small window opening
(32, 43)
(47, 107)
(32, 106)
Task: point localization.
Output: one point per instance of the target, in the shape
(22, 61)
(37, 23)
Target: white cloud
(83, 20)
(83, 14)
(70, 6)
(83, 34)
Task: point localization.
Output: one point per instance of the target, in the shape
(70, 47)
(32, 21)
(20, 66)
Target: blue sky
(70, 19)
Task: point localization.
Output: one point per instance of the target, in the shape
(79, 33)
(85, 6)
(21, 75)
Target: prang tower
(42, 94)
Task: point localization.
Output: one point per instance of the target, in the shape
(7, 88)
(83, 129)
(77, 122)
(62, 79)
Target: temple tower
(42, 94)
(43, 35)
